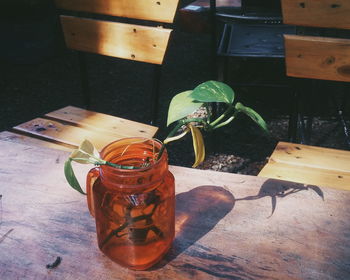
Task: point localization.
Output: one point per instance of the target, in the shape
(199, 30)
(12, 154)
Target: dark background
(38, 75)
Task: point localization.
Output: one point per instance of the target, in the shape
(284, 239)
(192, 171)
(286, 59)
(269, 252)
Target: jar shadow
(197, 213)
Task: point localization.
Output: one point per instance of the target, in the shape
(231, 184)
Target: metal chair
(119, 39)
(254, 31)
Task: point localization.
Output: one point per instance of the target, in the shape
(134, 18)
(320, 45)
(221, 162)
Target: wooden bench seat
(309, 165)
(66, 128)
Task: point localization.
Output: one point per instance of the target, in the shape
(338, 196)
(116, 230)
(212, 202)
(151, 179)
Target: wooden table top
(228, 226)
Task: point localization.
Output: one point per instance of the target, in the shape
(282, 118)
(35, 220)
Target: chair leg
(293, 118)
(84, 79)
(310, 96)
(155, 93)
(222, 68)
(297, 129)
(340, 100)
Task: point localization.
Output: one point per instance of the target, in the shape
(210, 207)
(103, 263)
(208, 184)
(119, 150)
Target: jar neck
(141, 153)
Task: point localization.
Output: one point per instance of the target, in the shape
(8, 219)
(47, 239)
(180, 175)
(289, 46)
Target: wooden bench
(309, 165)
(66, 128)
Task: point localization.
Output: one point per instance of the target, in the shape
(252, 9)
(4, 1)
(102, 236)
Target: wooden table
(228, 226)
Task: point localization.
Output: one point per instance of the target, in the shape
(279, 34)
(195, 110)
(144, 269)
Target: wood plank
(317, 57)
(162, 10)
(65, 133)
(311, 156)
(23, 139)
(103, 122)
(224, 226)
(128, 41)
(306, 175)
(317, 13)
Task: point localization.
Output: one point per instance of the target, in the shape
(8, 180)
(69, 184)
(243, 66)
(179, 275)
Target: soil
(122, 88)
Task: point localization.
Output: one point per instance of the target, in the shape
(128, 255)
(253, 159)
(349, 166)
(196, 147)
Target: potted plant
(131, 192)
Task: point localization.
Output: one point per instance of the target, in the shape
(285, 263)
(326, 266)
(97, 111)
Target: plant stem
(228, 110)
(176, 128)
(230, 119)
(121, 166)
(171, 134)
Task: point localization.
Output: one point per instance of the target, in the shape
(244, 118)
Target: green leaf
(253, 115)
(181, 106)
(213, 91)
(70, 176)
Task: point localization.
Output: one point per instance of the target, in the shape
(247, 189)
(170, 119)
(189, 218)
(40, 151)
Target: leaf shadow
(279, 188)
(197, 213)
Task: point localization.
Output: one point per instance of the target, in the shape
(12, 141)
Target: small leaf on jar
(70, 176)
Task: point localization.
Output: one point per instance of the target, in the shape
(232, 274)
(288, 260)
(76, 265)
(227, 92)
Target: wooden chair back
(127, 41)
(317, 57)
(161, 10)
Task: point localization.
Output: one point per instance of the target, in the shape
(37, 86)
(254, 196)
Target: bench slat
(311, 156)
(128, 41)
(318, 57)
(103, 123)
(65, 133)
(326, 13)
(163, 11)
(309, 165)
(306, 175)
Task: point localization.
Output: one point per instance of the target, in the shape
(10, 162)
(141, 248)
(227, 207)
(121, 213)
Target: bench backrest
(116, 39)
(161, 10)
(317, 57)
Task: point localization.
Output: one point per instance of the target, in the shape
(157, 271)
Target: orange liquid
(135, 216)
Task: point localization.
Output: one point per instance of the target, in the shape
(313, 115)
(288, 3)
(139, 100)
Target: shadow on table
(279, 188)
(197, 212)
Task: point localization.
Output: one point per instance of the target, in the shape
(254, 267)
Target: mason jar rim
(104, 150)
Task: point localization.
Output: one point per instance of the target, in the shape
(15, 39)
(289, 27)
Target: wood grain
(309, 165)
(307, 175)
(317, 57)
(65, 133)
(102, 122)
(317, 13)
(23, 139)
(162, 10)
(224, 226)
(70, 125)
(312, 156)
(128, 41)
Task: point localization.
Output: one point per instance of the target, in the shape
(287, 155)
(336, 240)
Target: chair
(319, 58)
(253, 31)
(119, 39)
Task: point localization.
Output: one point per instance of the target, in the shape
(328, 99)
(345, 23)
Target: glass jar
(134, 209)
